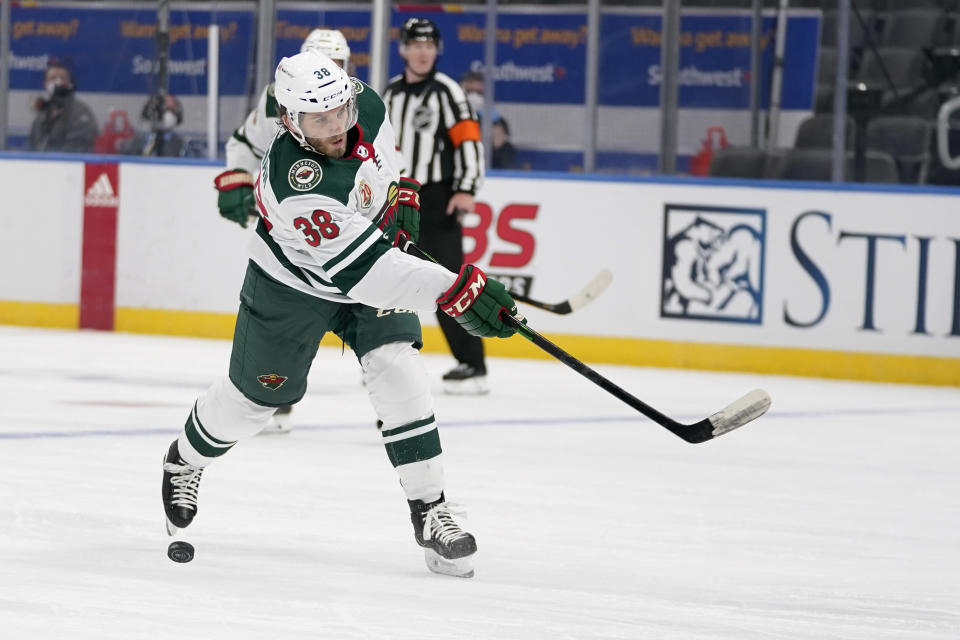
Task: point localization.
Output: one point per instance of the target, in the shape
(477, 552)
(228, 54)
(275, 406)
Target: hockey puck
(180, 551)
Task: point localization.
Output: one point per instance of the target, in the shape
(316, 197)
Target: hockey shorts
(279, 329)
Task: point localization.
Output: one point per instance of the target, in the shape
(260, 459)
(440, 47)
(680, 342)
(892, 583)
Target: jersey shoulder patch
(294, 171)
(371, 108)
(271, 109)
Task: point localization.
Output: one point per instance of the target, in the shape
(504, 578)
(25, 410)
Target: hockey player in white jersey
(245, 149)
(332, 207)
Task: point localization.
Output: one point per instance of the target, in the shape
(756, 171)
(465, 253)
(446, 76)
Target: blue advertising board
(113, 50)
(714, 61)
(540, 57)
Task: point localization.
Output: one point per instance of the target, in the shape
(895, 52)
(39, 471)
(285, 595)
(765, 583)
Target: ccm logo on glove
(470, 290)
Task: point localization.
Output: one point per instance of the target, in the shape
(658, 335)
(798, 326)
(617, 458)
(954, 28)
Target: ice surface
(836, 515)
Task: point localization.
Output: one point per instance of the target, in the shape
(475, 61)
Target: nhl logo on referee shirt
(304, 175)
(424, 118)
(271, 381)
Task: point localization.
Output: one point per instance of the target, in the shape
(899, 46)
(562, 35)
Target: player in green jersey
(332, 208)
(245, 150)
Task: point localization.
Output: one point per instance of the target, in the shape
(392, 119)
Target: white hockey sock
(399, 390)
(220, 417)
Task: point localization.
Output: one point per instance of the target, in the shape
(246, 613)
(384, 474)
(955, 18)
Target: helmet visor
(328, 124)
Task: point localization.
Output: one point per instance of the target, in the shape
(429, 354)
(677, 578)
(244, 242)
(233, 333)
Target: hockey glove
(476, 302)
(235, 199)
(403, 226)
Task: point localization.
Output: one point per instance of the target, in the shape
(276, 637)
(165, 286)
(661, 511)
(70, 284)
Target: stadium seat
(903, 67)
(908, 139)
(738, 162)
(908, 5)
(828, 30)
(816, 132)
(916, 28)
(817, 164)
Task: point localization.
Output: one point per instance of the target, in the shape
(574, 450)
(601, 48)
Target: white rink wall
(716, 275)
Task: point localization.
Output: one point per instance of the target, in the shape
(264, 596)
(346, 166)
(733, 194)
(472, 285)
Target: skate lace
(440, 523)
(186, 483)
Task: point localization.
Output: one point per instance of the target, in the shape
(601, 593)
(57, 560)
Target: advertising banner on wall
(715, 52)
(540, 60)
(114, 50)
(851, 283)
(540, 56)
(842, 270)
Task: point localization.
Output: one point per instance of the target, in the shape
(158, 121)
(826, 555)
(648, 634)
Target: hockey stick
(736, 414)
(579, 300)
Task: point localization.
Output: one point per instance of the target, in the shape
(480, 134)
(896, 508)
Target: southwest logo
(271, 381)
(713, 263)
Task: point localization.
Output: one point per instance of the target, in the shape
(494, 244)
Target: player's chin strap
(297, 132)
(738, 413)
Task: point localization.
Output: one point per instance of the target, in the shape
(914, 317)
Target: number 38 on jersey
(322, 226)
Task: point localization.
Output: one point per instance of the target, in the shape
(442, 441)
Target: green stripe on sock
(225, 443)
(415, 449)
(203, 447)
(406, 427)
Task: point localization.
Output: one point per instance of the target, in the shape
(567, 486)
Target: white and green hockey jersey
(318, 230)
(245, 148)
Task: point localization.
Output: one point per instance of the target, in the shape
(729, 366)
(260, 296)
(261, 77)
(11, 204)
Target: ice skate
(447, 548)
(465, 380)
(181, 481)
(280, 422)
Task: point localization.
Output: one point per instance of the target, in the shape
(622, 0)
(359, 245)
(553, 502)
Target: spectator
(164, 113)
(474, 88)
(504, 153)
(439, 138)
(62, 123)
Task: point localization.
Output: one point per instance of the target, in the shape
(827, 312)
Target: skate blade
(460, 567)
(278, 426)
(171, 528)
(468, 387)
(274, 431)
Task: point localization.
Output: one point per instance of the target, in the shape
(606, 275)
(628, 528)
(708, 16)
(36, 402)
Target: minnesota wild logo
(357, 86)
(304, 175)
(271, 381)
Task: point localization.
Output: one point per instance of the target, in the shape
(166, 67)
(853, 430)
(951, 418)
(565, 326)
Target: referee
(439, 138)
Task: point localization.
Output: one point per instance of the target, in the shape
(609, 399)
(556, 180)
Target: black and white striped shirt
(437, 131)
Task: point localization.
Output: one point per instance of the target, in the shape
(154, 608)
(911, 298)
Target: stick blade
(740, 412)
(592, 291)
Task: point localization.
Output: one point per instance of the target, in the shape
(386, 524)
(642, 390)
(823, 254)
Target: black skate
(447, 548)
(466, 380)
(181, 481)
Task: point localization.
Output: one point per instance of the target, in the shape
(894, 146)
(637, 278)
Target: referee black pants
(442, 237)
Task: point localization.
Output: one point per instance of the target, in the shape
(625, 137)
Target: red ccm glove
(476, 302)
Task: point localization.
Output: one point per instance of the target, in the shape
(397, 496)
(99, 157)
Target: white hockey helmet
(329, 42)
(318, 96)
